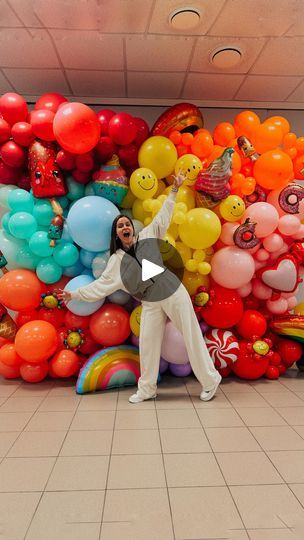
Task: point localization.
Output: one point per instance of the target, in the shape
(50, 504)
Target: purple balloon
(135, 340)
(163, 365)
(180, 370)
(204, 327)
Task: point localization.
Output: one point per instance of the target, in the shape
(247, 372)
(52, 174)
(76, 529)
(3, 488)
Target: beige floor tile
(238, 439)
(136, 419)
(178, 419)
(294, 416)
(264, 386)
(137, 514)
(14, 421)
(296, 384)
(289, 464)
(63, 388)
(21, 404)
(299, 430)
(6, 441)
(8, 388)
(3, 400)
(247, 468)
(171, 401)
(50, 421)
(264, 416)
(287, 399)
(185, 470)
(70, 515)
(220, 401)
(140, 471)
(136, 441)
(124, 404)
(267, 506)
(16, 511)
(236, 386)
(59, 403)
(95, 420)
(278, 438)
(37, 444)
(79, 473)
(272, 534)
(37, 389)
(220, 418)
(172, 385)
(298, 490)
(184, 441)
(25, 474)
(99, 402)
(300, 395)
(87, 443)
(247, 399)
(203, 512)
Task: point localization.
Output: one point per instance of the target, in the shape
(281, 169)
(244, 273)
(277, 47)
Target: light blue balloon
(43, 212)
(66, 237)
(99, 263)
(66, 254)
(90, 221)
(22, 225)
(78, 306)
(63, 201)
(5, 219)
(87, 272)
(48, 270)
(74, 270)
(86, 257)
(10, 247)
(39, 244)
(119, 297)
(20, 200)
(76, 190)
(26, 258)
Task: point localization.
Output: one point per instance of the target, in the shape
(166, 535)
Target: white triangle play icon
(149, 270)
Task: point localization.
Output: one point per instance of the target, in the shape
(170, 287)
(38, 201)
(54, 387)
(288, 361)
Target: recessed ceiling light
(225, 57)
(185, 18)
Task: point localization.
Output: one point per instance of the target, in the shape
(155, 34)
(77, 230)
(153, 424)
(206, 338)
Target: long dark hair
(115, 241)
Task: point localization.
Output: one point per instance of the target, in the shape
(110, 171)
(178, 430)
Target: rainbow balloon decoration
(291, 326)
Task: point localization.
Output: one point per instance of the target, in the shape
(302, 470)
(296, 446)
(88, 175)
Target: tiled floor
(98, 468)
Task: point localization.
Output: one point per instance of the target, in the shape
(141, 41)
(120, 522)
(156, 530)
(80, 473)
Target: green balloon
(63, 201)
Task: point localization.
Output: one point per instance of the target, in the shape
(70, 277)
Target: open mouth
(126, 234)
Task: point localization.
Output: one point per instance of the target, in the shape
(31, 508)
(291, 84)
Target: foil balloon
(290, 198)
(111, 181)
(3, 263)
(45, 176)
(247, 148)
(223, 347)
(8, 327)
(289, 325)
(282, 276)
(212, 183)
(244, 236)
(183, 117)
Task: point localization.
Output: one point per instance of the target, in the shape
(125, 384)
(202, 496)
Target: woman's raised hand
(65, 296)
(179, 178)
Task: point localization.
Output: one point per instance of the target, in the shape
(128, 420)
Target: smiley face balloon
(135, 320)
(143, 183)
(191, 165)
(232, 208)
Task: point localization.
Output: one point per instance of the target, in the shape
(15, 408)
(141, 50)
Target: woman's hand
(179, 179)
(65, 296)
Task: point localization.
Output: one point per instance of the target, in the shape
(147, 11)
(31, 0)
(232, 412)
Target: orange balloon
(187, 139)
(298, 165)
(202, 143)
(248, 186)
(237, 180)
(20, 290)
(65, 363)
(266, 137)
(216, 152)
(245, 123)
(289, 140)
(8, 355)
(175, 136)
(279, 121)
(223, 133)
(110, 325)
(9, 372)
(36, 341)
(300, 145)
(273, 169)
(292, 152)
(236, 163)
(34, 372)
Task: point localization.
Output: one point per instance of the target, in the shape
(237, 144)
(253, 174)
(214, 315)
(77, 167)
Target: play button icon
(150, 270)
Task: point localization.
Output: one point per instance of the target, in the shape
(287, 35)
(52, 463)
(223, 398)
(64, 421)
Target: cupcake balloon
(111, 181)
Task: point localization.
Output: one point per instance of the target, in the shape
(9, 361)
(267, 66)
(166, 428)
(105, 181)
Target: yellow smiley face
(191, 165)
(143, 183)
(232, 208)
(167, 247)
(135, 320)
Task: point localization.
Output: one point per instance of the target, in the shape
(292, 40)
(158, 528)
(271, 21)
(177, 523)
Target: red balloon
(50, 101)
(290, 351)
(142, 131)
(247, 365)
(128, 155)
(34, 372)
(60, 284)
(4, 341)
(65, 160)
(53, 316)
(42, 124)
(26, 316)
(252, 324)
(13, 108)
(12, 154)
(122, 128)
(80, 176)
(8, 175)
(76, 128)
(110, 325)
(24, 182)
(36, 341)
(20, 290)
(104, 117)
(85, 162)
(272, 372)
(225, 310)
(61, 334)
(106, 148)
(8, 355)
(65, 363)
(77, 321)
(5, 130)
(22, 133)
(9, 372)
(90, 345)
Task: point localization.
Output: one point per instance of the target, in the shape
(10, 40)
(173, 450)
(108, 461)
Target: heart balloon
(282, 276)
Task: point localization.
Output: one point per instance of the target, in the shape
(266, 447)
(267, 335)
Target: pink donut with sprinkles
(290, 198)
(223, 347)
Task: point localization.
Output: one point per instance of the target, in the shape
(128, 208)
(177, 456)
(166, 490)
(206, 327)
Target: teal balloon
(76, 190)
(72, 271)
(5, 219)
(22, 225)
(63, 201)
(89, 190)
(39, 244)
(10, 247)
(4, 193)
(48, 270)
(66, 237)
(43, 212)
(26, 258)
(66, 254)
(20, 200)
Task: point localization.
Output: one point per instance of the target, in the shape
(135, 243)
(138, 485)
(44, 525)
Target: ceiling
(126, 52)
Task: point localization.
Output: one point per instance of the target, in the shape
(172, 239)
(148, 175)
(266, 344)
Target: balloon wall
(67, 171)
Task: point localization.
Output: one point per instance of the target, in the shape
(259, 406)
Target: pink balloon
(299, 234)
(261, 291)
(264, 215)
(276, 254)
(262, 255)
(227, 233)
(173, 347)
(273, 199)
(232, 267)
(259, 264)
(289, 224)
(277, 307)
(273, 242)
(245, 290)
(292, 302)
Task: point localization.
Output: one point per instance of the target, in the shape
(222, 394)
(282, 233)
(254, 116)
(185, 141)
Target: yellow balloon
(159, 154)
(184, 195)
(138, 211)
(193, 280)
(204, 268)
(143, 183)
(185, 254)
(232, 208)
(192, 265)
(299, 309)
(167, 247)
(201, 229)
(128, 200)
(161, 188)
(173, 230)
(191, 164)
(135, 320)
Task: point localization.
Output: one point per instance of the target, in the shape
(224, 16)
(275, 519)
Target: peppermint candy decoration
(223, 347)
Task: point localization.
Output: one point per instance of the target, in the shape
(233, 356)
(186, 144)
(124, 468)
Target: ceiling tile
(8, 17)
(209, 10)
(211, 87)
(22, 48)
(97, 83)
(88, 50)
(37, 81)
(4, 85)
(298, 94)
(158, 53)
(281, 56)
(297, 29)
(249, 47)
(261, 88)
(154, 85)
(25, 10)
(257, 18)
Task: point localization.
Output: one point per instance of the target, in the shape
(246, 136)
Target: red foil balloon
(225, 308)
(45, 175)
(179, 117)
(249, 365)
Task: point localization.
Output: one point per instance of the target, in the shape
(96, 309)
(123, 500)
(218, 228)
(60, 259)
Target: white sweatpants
(178, 307)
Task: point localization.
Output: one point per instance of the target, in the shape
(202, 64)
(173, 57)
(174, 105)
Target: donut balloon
(290, 198)
(181, 117)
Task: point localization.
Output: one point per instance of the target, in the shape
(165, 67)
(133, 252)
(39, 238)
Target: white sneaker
(137, 398)
(207, 395)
